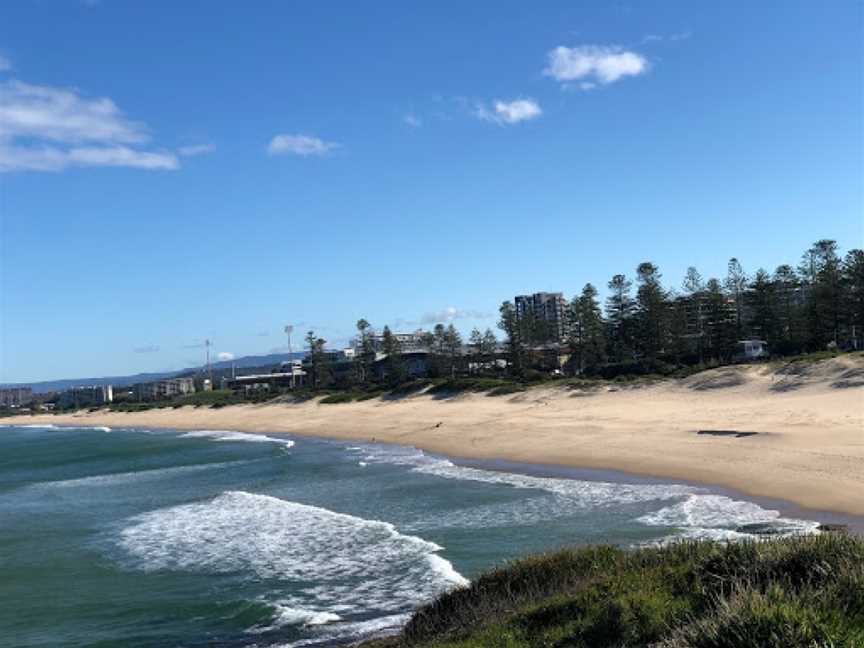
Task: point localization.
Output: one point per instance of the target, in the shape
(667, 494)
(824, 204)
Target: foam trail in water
(232, 435)
(349, 565)
(698, 513)
(113, 479)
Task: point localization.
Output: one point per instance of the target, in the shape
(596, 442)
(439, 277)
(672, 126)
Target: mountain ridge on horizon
(243, 362)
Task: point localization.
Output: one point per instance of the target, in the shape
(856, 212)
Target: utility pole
(209, 368)
(288, 330)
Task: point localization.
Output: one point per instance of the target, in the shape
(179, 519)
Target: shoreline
(807, 450)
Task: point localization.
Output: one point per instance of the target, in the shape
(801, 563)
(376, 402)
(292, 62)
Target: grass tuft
(801, 591)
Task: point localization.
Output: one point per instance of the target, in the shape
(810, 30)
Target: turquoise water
(219, 538)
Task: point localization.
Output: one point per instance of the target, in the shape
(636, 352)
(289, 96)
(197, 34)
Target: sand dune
(810, 420)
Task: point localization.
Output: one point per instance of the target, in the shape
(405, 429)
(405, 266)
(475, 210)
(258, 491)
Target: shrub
(339, 397)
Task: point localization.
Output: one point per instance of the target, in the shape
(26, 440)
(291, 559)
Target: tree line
(816, 306)
(642, 326)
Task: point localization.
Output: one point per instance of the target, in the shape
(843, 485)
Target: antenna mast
(288, 331)
(209, 368)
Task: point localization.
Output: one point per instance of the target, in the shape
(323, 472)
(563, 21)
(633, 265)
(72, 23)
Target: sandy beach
(809, 420)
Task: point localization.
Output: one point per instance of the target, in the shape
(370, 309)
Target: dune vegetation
(780, 593)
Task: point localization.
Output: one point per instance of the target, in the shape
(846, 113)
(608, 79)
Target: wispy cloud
(412, 120)
(5, 64)
(595, 64)
(224, 356)
(149, 348)
(43, 128)
(509, 112)
(672, 38)
(303, 145)
(196, 149)
(450, 314)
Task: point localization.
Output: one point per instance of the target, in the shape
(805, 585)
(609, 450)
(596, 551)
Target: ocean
(163, 538)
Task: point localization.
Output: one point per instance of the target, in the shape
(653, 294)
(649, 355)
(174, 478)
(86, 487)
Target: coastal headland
(789, 431)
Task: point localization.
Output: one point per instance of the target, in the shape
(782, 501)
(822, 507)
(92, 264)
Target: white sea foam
(232, 435)
(33, 426)
(718, 517)
(350, 564)
(697, 513)
(286, 615)
(353, 631)
(113, 479)
(586, 494)
(51, 426)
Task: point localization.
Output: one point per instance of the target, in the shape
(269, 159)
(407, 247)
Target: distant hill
(243, 364)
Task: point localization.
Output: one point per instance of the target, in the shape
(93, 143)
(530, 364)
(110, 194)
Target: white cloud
(449, 314)
(5, 64)
(224, 356)
(49, 158)
(303, 145)
(196, 149)
(49, 129)
(509, 112)
(412, 120)
(594, 64)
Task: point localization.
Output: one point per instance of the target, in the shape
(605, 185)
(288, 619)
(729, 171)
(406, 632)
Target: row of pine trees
(816, 306)
(644, 326)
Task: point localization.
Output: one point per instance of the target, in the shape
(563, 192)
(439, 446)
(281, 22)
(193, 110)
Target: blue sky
(171, 172)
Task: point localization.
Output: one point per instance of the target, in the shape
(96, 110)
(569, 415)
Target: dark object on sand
(734, 433)
(737, 434)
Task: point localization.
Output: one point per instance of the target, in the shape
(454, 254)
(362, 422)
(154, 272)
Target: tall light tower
(288, 330)
(209, 368)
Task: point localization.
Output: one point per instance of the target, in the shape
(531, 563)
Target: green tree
(366, 351)
(587, 331)
(509, 323)
(788, 298)
(736, 285)
(452, 348)
(619, 313)
(318, 371)
(689, 318)
(821, 269)
(651, 312)
(394, 365)
(720, 322)
(853, 288)
(764, 321)
(489, 346)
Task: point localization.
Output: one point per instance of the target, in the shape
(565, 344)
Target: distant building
(549, 308)
(290, 376)
(168, 388)
(86, 396)
(408, 342)
(15, 396)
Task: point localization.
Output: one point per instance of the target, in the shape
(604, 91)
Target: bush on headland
(782, 593)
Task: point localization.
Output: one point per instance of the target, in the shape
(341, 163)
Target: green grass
(782, 593)
(338, 397)
(461, 385)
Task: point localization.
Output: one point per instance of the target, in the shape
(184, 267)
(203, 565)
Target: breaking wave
(696, 513)
(231, 435)
(334, 565)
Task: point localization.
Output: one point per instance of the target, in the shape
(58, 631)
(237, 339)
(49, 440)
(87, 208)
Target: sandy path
(810, 449)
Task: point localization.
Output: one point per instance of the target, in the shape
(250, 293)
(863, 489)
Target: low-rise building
(168, 388)
(86, 396)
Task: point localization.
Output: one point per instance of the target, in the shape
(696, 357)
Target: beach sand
(809, 418)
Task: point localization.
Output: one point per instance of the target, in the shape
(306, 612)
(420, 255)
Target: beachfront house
(750, 350)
